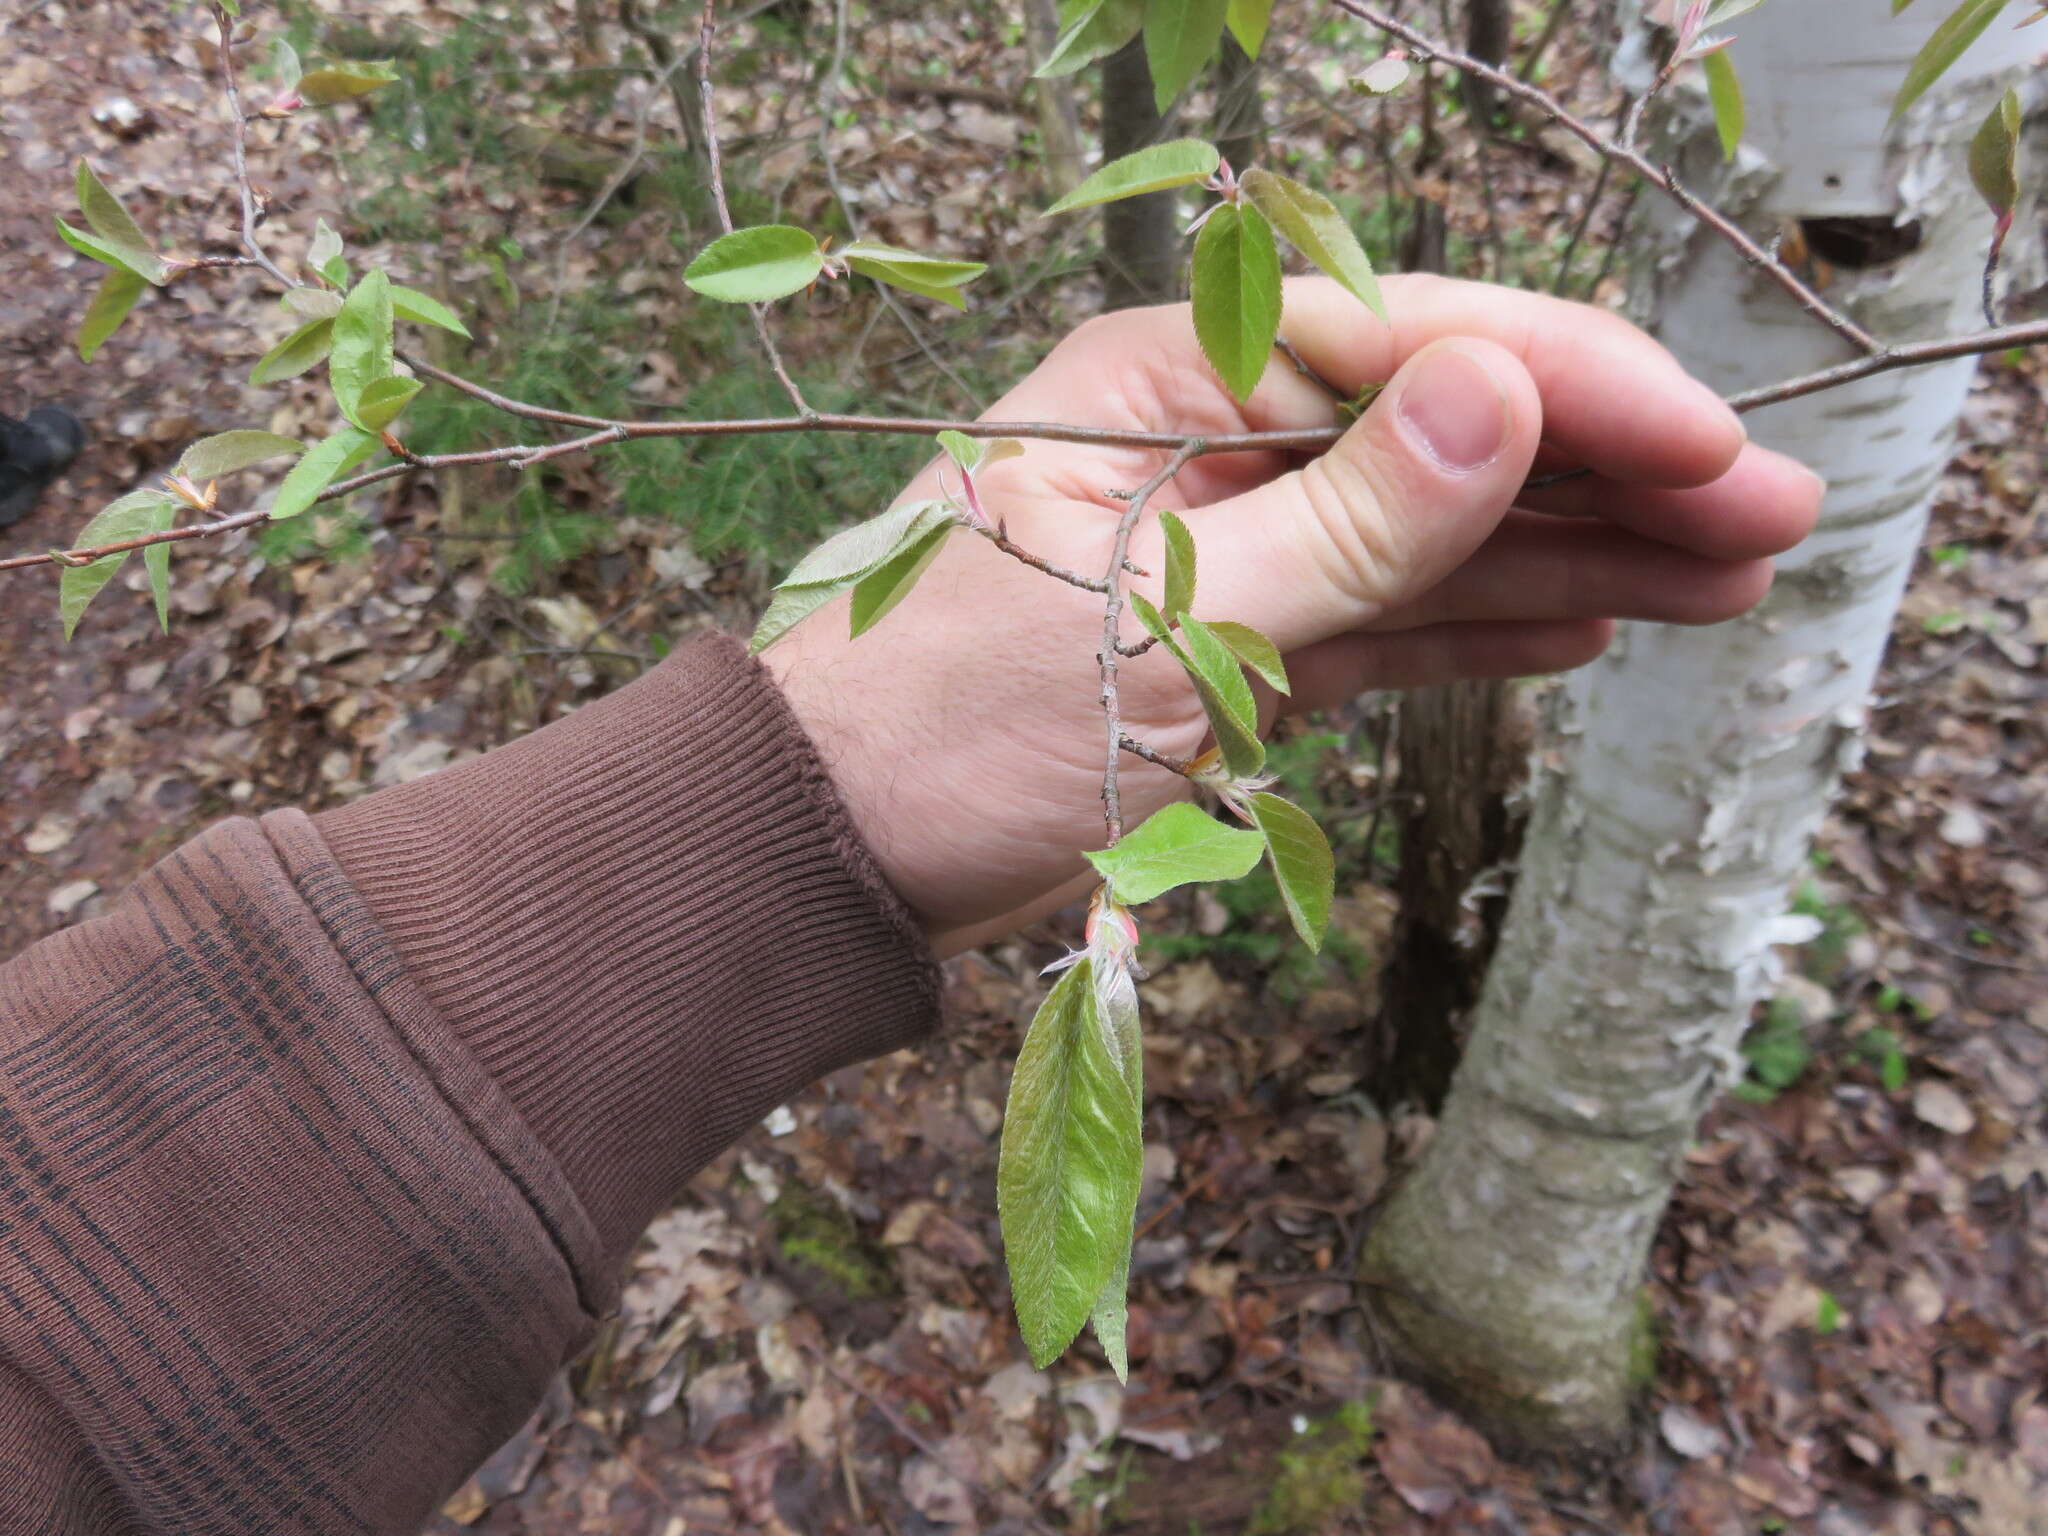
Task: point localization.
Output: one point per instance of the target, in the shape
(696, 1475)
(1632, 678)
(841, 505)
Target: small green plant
(1880, 1049)
(1319, 1476)
(1777, 1051)
(813, 1233)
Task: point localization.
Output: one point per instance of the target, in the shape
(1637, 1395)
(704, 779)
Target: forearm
(327, 1144)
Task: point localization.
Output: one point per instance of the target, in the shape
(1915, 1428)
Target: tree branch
(254, 247)
(1622, 152)
(1112, 613)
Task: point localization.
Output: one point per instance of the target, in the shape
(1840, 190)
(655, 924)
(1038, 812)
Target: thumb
(1401, 500)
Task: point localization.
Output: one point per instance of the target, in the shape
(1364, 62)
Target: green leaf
(424, 309)
(842, 561)
(1177, 846)
(285, 67)
(1153, 620)
(130, 517)
(156, 561)
(1724, 92)
(226, 452)
(1180, 37)
(852, 553)
(323, 255)
(363, 344)
(107, 218)
(1180, 565)
(886, 586)
(789, 607)
(1254, 650)
(117, 294)
(1094, 31)
(320, 466)
(303, 349)
(1728, 10)
(1110, 1317)
(1248, 20)
(384, 401)
(928, 277)
(1068, 1174)
(1226, 698)
(1236, 294)
(1302, 864)
(753, 266)
(1994, 155)
(312, 303)
(1965, 24)
(143, 264)
(1176, 163)
(1315, 227)
(962, 449)
(345, 81)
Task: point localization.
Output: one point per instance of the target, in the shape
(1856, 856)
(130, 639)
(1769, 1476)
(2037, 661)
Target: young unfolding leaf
(1176, 163)
(1382, 77)
(312, 303)
(1180, 37)
(1091, 30)
(363, 346)
(320, 466)
(1254, 650)
(1117, 994)
(1179, 845)
(1226, 697)
(889, 583)
(383, 401)
(105, 216)
(928, 277)
(1180, 565)
(117, 294)
(424, 309)
(1248, 20)
(1965, 24)
(1236, 295)
(843, 560)
(323, 255)
(961, 449)
(1153, 620)
(1724, 94)
(1726, 11)
(285, 67)
(756, 265)
(1994, 158)
(304, 348)
(1302, 864)
(226, 452)
(1068, 1174)
(144, 264)
(344, 81)
(132, 516)
(1314, 226)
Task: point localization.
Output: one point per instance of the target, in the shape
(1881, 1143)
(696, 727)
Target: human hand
(965, 732)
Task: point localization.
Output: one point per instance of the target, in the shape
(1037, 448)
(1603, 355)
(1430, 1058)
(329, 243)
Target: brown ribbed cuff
(650, 922)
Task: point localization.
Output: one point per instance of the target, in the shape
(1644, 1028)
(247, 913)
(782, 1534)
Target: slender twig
(1180, 765)
(1309, 440)
(1112, 614)
(1552, 25)
(226, 25)
(1620, 150)
(1003, 542)
(1562, 279)
(717, 168)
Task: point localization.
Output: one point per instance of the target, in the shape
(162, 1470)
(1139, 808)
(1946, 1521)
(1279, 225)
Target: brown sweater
(321, 1153)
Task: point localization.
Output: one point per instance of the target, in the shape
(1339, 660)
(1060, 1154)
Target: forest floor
(1849, 1293)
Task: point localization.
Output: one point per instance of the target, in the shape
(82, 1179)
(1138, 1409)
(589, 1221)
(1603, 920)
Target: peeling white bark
(1686, 773)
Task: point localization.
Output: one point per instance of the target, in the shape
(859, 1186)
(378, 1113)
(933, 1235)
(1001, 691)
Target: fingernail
(1455, 410)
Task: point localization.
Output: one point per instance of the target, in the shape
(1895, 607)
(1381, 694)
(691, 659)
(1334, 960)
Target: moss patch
(814, 1234)
(1318, 1476)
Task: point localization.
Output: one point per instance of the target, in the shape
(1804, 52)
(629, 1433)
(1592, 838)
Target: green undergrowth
(1259, 938)
(813, 1233)
(1318, 1477)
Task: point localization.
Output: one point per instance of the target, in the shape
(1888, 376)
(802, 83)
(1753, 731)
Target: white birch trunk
(1686, 774)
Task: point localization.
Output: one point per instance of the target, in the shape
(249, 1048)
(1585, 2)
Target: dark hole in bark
(1874, 241)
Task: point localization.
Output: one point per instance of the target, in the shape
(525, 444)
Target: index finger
(1613, 399)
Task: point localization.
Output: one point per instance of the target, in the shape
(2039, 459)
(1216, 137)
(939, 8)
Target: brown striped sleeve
(321, 1152)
